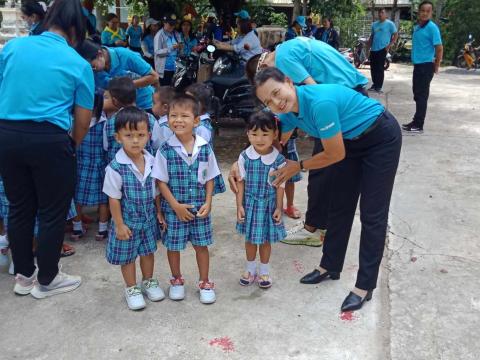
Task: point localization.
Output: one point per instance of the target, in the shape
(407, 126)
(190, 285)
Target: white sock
(252, 267)
(264, 269)
(102, 226)
(77, 226)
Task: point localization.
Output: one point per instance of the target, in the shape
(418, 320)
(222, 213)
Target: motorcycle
(347, 54)
(469, 56)
(361, 54)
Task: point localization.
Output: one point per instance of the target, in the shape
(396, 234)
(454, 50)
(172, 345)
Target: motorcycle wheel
(357, 63)
(386, 65)
(461, 63)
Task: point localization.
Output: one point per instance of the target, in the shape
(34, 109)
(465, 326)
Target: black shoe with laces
(408, 125)
(413, 129)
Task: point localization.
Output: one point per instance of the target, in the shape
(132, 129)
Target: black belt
(368, 130)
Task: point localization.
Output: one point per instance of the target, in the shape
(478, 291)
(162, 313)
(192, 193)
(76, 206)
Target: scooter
(361, 54)
(469, 56)
(347, 54)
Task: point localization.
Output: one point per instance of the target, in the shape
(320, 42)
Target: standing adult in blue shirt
(151, 29)
(37, 154)
(308, 61)
(383, 36)
(87, 10)
(297, 28)
(113, 35)
(108, 63)
(189, 41)
(362, 143)
(134, 35)
(167, 43)
(427, 54)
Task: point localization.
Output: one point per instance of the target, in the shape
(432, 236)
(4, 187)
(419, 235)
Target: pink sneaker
(248, 279)
(24, 285)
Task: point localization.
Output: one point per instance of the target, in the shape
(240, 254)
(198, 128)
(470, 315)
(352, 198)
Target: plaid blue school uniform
(112, 146)
(139, 214)
(292, 154)
(91, 163)
(186, 189)
(260, 201)
(205, 127)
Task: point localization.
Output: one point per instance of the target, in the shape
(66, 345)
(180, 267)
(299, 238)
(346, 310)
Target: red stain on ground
(298, 266)
(413, 259)
(348, 316)
(224, 343)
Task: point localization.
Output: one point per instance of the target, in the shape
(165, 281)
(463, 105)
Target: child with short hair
(132, 197)
(185, 167)
(90, 174)
(121, 93)
(203, 94)
(161, 100)
(259, 204)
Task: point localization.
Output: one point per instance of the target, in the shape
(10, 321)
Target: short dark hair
(426, 2)
(110, 17)
(166, 94)
(89, 50)
(123, 90)
(267, 74)
(187, 101)
(30, 7)
(330, 20)
(67, 14)
(203, 93)
(98, 104)
(129, 117)
(381, 9)
(245, 26)
(251, 68)
(263, 120)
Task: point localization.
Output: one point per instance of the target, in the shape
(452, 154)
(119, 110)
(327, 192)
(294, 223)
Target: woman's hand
(277, 215)
(233, 177)
(183, 213)
(285, 173)
(123, 232)
(204, 210)
(241, 214)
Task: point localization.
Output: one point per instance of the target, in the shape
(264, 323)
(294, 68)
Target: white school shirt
(202, 130)
(160, 133)
(160, 167)
(252, 154)
(94, 121)
(112, 185)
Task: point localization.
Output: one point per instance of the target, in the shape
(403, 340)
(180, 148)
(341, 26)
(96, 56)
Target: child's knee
(201, 249)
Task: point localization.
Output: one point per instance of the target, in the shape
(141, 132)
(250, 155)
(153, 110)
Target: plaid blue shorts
(122, 252)
(292, 154)
(178, 233)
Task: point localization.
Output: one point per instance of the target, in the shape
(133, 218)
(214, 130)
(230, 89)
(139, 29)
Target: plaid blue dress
(109, 137)
(205, 129)
(260, 202)
(91, 165)
(186, 189)
(139, 214)
(292, 154)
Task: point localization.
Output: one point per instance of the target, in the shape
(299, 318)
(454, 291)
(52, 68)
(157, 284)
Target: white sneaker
(207, 292)
(23, 284)
(134, 297)
(298, 235)
(62, 283)
(177, 289)
(153, 290)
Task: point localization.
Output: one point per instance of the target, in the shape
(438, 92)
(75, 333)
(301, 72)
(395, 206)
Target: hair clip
(260, 61)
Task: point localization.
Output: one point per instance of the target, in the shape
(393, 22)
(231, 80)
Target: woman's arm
(160, 48)
(146, 80)
(81, 124)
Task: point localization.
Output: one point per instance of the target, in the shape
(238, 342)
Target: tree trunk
(439, 9)
(394, 10)
(305, 7)
(297, 6)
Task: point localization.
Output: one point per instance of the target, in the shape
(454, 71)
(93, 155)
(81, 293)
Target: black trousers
(377, 62)
(38, 167)
(368, 172)
(167, 78)
(422, 76)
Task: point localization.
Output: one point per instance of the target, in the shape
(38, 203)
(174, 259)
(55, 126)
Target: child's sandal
(292, 212)
(247, 279)
(264, 281)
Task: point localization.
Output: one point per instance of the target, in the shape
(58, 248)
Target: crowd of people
(110, 132)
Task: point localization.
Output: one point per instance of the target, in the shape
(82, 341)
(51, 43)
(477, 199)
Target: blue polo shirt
(303, 57)
(134, 36)
(425, 38)
(148, 40)
(382, 32)
(42, 79)
(124, 62)
(325, 110)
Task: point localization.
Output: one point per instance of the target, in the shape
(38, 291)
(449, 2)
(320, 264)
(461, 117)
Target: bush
(279, 19)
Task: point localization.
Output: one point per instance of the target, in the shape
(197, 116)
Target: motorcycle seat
(227, 81)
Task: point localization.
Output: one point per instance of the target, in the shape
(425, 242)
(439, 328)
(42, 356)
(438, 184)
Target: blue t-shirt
(148, 40)
(425, 38)
(125, 62)
(188, 44)
(134, 36)
(326, 110)
(42, 79)
(303, 57)
(382, 32)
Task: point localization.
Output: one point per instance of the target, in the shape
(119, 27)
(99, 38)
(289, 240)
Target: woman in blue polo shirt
(134, 35)
(362, 143)
(37, 155)
(108, 63)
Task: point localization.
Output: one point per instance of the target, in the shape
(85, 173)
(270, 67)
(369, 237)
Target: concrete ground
(426, 306)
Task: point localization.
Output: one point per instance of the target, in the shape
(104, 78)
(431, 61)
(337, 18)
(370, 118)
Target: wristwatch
(301, 166)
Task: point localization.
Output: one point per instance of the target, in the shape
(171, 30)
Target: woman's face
(113, 24)
(326, 23)
(98, 64)
(169, 27)
(280, 97)
(154, 29)
(186, 28)
(30, 20)
(135, 21)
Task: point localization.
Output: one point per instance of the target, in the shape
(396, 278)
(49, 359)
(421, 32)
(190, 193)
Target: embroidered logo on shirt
(204, 174)
(328, 126)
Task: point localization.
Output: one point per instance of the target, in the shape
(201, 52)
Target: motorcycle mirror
(470, 36)
(211, 48)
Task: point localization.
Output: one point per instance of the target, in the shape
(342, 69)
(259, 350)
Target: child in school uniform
(133, 198)
(203, 94)
(161, 100)
(90, 174)
(259, 204)
(121, 93)
(185, 167)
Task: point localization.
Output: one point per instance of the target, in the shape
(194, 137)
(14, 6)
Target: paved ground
(427, 305)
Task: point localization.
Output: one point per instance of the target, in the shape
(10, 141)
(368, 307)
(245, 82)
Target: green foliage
(462, 18)
(136, 7)
(279, 19)
(336, 8)
(349, 24)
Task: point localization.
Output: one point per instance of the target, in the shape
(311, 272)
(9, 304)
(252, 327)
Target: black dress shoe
(316, 276)
(354, 302)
